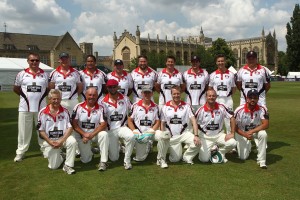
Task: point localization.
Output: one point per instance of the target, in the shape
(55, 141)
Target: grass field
(31, 179)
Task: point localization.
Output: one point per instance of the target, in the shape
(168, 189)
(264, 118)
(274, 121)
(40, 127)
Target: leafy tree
(293, 41)
(207, 60)
(220, 46)
(282, 64)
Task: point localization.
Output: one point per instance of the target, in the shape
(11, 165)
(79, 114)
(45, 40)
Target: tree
(220, 46)
(282, 64)
(207, 60)
(293, 41)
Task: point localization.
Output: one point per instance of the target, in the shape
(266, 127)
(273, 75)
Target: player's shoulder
(239, 108)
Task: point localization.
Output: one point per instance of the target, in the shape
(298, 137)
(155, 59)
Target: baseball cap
(251, 54)
(146, 88)
(197, 58)
(252, 92)
(118, 62)
(63, 54)
(112, 82)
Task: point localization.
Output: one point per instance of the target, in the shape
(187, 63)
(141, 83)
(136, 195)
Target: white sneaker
(127, 166)
(162, 163)
(263, 166)
(187, 162)
(95, 150)
(19, 158)
(102, 166)
(68, 170)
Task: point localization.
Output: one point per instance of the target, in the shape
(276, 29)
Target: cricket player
(144, 122)
(92, 77)
(196, 80)
(210, 118)
(32, 86)
(116, 108)
(142, 76)
(67, 80)
(253, 76)
(55, 128)
(124, 78)
(175, 116)
(166, 79)
(252, 120)
(223, 82)
(89, 123)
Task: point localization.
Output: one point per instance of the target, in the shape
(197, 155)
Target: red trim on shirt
(140, 103)
(47, 111)
(207, 109)
(71, 70)
(40, 71)
(106, 99)
(190, 72)
(170, 75)
(246, 67)
(91, 75)
(149, 70)
(247, 110)
(84, 106)
(182, 103)
(114, 74)
(220, 72)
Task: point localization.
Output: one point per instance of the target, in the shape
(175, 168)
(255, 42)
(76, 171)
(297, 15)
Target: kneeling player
(144, 121)
(55, 128)
(175, 116)
(88, 122)
(210, 119)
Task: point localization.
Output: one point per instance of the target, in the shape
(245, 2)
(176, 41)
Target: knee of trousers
(113, 156)
(204, 156)
(231, 143)
(175, 158)
(71, 141)
(262, 135)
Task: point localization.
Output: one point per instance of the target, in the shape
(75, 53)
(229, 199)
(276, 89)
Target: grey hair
(54, 91)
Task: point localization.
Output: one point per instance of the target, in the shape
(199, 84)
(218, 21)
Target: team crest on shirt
(70, 75)
(94, 112)
(96, 76)
(226, 76)
(121, 103)
(60, 117)
(151, 110)
(181, 108)
(217, 113)
(257, 72)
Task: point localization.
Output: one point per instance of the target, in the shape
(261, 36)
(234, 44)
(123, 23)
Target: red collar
(137, 70)
(207, 109)
(106, 99)
(71, 69)
(246, 109)
(84, 106)
(219, 72)
(193, 73)
(47, 110)
(86, 72)
(140, 103)
(114, 73)
(182, 103)
(27, 70)
(174, 72)
(249, 69)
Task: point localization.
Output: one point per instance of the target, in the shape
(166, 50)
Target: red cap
(112, 82)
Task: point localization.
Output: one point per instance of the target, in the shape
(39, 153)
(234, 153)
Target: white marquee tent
(10, 67)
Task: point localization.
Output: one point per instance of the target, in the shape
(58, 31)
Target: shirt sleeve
(18, 81)
(190, 111)
(211, 84)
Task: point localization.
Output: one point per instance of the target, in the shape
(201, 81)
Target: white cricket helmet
(216, 157)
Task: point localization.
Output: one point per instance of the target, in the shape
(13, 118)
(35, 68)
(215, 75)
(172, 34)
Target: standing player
(166, 79)
(31, 85)
(124, 78)
(55, 128)
(92, 77)
(210, 119)
(88, 122)
(142, 76)
(252, 121)
(116, 107)
(253, 76)
(67, 80)
(144, 122)
(196, 80)
(175, 116)
(222, 81)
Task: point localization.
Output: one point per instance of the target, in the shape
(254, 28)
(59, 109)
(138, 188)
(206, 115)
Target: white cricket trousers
(244, 146)
(114, 146)
(176, 147)
(25, 126)
(69, 104)
(207, 142)
(54, 155)
(162, 148)
(86, 153)
(228, 102)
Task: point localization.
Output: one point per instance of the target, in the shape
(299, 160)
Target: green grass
(31, 179)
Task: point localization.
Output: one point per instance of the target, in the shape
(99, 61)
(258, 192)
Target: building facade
(129, 46)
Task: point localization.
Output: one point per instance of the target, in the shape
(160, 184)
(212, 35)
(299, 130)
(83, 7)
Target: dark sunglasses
(36, 60)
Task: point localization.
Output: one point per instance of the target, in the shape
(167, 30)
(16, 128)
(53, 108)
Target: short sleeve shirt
(176, 118)
(54, 127)
(88, 120)
(247, 119)
(195, 85)
(167, 81)
(144, 118)
(116, 113)
(222, 82)
(97, 79)
(210, 121)
(125, 82)
(66, 83)
(33, 90)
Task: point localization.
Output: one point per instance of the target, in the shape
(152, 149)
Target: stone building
(18, 45)
(129, 46)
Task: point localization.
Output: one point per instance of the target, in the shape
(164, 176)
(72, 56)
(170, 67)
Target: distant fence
(284, 79)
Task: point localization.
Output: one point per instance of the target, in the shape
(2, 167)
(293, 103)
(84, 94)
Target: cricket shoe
(162, 163)
(68, 170)
(19, 158)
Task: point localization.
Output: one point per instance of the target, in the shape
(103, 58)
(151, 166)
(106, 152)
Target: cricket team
(107, 122)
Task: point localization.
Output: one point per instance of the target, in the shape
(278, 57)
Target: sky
(95, 21)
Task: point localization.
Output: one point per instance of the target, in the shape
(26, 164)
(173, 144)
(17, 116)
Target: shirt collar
(47, 109)
(219, 72)
(191, 72)
(246, 109)
(207, 109)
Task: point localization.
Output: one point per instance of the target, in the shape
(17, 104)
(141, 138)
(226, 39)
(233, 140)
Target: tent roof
(17, 64)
